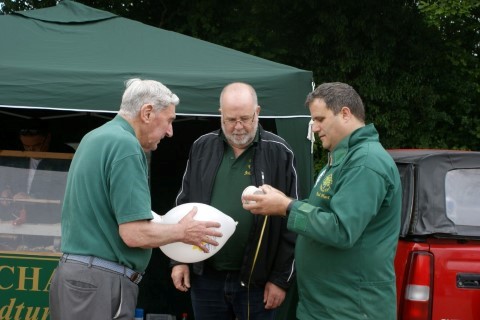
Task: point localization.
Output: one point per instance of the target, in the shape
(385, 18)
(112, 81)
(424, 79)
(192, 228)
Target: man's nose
(315, 127)
(238, 123)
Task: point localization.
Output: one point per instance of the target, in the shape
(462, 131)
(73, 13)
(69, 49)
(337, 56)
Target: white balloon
(188, 253)
(156, 217)
(250, 190)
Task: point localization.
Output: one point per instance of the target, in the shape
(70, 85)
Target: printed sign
(24, 284)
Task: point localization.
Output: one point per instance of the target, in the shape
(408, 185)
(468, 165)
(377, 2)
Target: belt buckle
(135, 277)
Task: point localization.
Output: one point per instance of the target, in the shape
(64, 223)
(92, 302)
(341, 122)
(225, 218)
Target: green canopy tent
(73, 57)
(72, 60)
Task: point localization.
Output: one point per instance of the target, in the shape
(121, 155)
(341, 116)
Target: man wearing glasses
(249, 277)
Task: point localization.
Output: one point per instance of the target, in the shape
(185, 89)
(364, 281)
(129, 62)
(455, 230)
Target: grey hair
(336, 96)
(139, 92)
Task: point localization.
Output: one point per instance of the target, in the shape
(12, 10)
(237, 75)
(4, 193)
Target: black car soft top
(423, 173)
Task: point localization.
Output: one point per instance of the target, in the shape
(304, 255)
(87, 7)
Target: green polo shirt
(107, 185)
(233, 176)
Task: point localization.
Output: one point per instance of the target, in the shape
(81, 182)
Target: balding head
(238, 91)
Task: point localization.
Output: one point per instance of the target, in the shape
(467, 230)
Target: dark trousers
(219, 295)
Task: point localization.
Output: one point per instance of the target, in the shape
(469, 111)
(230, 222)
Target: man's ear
(147, 113)
(346, 113)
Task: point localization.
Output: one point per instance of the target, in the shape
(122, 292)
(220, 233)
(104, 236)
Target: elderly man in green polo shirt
(107, 227)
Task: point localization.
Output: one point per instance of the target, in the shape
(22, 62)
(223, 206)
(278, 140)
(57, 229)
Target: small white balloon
(189, 253)
(250, 190)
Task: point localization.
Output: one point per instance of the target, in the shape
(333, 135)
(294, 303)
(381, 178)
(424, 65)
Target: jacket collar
(363, 134)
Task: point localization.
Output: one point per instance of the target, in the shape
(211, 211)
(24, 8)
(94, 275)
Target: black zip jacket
(273, 164)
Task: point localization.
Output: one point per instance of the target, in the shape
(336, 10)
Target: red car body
(438, 257)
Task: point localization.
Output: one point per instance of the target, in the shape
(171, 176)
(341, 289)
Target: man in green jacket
(348, 228)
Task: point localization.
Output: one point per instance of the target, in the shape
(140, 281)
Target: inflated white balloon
(188, 253)
(156, 217)
(250, 190)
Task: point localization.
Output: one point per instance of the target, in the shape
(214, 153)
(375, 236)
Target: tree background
(415, 63)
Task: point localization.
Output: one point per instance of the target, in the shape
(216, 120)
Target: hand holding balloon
(200, 236)
(199, 233)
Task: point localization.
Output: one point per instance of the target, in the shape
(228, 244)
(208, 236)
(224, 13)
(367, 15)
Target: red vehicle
(438, 256)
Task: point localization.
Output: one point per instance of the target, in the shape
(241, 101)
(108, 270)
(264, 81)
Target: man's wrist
(289, 207)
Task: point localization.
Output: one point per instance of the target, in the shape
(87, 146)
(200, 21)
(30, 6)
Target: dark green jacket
(348, 232)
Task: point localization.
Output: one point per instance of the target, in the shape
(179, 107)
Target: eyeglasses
(243, 121)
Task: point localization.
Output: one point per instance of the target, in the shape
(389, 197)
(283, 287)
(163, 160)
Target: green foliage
(459, 25)
(443, 12)
(9, 6)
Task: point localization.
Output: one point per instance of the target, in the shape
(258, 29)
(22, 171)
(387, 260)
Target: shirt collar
(123, 123)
